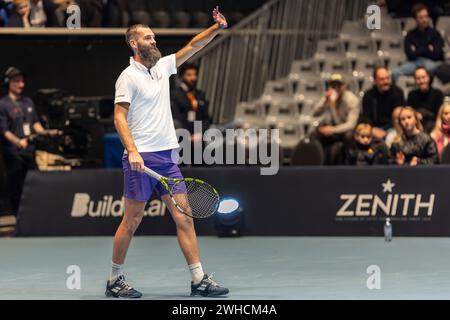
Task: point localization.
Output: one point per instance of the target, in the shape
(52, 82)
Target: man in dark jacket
(188, 103)
(380, 101)
(424, 46)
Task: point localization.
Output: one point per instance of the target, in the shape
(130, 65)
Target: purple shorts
(139, 186)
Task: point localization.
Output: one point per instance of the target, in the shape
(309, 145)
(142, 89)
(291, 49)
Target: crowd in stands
(389, 126)
(120, 13)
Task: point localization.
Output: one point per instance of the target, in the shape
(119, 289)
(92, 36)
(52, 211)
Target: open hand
(219, 18)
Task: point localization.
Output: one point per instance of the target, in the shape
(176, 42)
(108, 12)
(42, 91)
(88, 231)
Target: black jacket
(374, 154)
(427, 103)
(421, 39)
(15, 21)
(181, 107)
(377, 108)
(420, 145)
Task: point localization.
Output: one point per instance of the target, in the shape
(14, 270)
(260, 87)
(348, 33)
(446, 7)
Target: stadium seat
(310, 90)
(282, 111)
(140, 16)
(334, 63)
(308, 152)
(290, 135)
(407, 25)
(303, 69)
(365, 64)
(406, 84)
(325, 47)
(277, 89)
(443, 25)
(391, 46)
(361, 46)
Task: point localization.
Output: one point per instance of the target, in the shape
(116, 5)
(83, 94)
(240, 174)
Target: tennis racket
(192, 197)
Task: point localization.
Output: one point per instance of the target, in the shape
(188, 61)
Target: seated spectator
(339, 109)
(31, 14)
(91, 13)
(413, 146)
(441, 132)
(365, 151)
(380, 101)
(425, 99)
(188, 103)
(424, 46)
(395, 131)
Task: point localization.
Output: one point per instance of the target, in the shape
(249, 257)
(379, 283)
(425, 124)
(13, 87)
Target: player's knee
(132, 223)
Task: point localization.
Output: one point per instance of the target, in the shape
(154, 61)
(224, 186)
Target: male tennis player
(144, 122)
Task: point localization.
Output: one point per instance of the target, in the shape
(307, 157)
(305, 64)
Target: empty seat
(140, 16)
(391, 47)
(290, 135)
(249, 114)
(282, 111)
(325, 47)
(303, 69)
(308, 153)
(443, 25)
(310, 90)
(365, 64)
(277, 89)
(353, 30)
(389, 28)
(406, 84)
(361, 46)
(334, 63)
(407, 25)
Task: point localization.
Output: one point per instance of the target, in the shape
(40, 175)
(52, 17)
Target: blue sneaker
(121, 289)
(208, 288)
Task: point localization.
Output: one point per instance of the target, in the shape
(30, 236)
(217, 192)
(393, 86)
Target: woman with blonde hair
(413, 146)
(441, 131)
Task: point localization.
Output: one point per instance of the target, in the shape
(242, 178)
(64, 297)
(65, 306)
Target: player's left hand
(219, 18)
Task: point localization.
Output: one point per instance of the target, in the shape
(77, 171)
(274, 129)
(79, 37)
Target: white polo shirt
(148, 93)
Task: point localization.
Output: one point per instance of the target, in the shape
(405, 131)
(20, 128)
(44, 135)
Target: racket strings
(200, 200)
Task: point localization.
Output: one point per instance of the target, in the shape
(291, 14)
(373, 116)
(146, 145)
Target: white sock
(196, 272)
(116, 271)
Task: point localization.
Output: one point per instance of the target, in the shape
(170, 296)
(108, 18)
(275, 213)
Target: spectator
(18, 120)
(31, 14)
(189, 104)
(395, 131)
(92, 13)
(425, 99)
(339, 109)
(424, 46)
(441, 132)
(380, 101)
(413, 146)
(365, 151)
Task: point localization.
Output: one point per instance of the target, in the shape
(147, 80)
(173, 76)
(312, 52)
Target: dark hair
(417, 8)
(187, 66)
(375, 71)
(421, 68)
(132, 33)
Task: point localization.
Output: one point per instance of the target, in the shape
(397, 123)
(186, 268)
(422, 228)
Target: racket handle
(152, 173)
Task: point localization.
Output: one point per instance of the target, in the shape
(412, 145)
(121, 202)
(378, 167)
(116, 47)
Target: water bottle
(388, 230)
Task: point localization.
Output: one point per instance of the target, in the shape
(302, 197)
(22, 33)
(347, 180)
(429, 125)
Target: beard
(149, 54)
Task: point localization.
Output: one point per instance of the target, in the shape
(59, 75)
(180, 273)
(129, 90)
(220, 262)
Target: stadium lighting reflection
(229, 218)
(228, 205)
